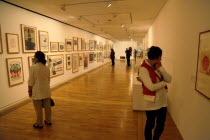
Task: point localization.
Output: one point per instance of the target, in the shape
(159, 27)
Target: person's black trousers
(128, 61)
(160, 116)
(113, 62)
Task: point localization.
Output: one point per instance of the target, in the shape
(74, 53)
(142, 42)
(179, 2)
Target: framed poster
(31, 61)
(203, 65)
(75, 63)
(91, 57)
(91, 43)
(55, 63)
(54, 46)
(85, 57)
(1, 48)
(12, 43)
(80, 59)
(87, 46)
(69, 44)
(15, 71)
(43, 41)
(61, 47)
(83, 44)
(79, 47)
(95, 45)
(68, 61)
(75, 43)
(95, 56)
(29, 38)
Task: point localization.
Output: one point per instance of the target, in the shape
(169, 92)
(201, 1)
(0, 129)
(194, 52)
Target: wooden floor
(94, 106)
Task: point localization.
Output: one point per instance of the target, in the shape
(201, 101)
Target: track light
(122, 25)
(109, 3)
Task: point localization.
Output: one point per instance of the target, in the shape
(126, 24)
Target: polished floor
(94, 106)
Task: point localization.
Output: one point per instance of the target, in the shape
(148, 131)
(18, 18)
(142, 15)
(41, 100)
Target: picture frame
(75, 43)
(12, 41)
(29, 38)
(87, 46)
(85, 58)
(68, 61)
(69, 44)
(54, 46)
(79, 44)
(91, 57)
(94, 56)
(81, 59)
(83, 44)
(91, 43)
(44, 41)
(15, 71)
(61, 46)
(31, 61)
(75, 62)
(1, 47)
(56, 65)
(203, 65)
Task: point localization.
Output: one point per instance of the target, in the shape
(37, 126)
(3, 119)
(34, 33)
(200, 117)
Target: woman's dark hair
(154, 53)
(41, 57)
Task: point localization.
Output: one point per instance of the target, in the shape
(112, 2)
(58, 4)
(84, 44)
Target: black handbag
(52, 102)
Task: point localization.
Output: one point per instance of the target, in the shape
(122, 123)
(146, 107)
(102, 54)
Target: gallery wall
(120, 47)
(11, 19)
(176, 30)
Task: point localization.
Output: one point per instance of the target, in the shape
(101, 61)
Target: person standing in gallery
(39, 89)
(128, 55)
(154, 78)
(112, 56)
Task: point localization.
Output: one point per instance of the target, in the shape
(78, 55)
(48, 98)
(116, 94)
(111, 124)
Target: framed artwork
(75, 63)
(80, 59)
(95, 56)
(61, 46)
(1, 48)
(95, 45)
(75, 43)
(85, 57)
(83, 44)
(31, 61)
(29, 38)
(203, 65)
(55, 63)
(91, 57)
(68, 61)
(91, 45)
(12, 43)
(69, 44)
(43, 41)
(54, 46)
(87, 46)
(79, 44)
(15, 71)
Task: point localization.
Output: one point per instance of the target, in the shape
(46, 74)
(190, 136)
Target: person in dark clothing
(112, 56)
(128, 55)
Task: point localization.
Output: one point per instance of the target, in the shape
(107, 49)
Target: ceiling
(94, 16)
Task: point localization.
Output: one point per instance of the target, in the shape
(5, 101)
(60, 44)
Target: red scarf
(153, 76)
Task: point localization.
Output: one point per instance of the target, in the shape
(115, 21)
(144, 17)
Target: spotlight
(122, 25)
(109, 3)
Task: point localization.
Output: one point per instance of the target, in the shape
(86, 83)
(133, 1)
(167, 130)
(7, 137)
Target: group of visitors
(151, 73)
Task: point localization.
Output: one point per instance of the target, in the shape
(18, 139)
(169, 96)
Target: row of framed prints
(54, 62)
(29, 42)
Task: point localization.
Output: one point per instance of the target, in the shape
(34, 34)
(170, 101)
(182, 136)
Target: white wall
(176, 31)
(120, 47)
(11, 18)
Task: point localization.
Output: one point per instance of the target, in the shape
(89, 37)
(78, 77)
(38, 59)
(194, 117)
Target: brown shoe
(37, 126)
(47, 123)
